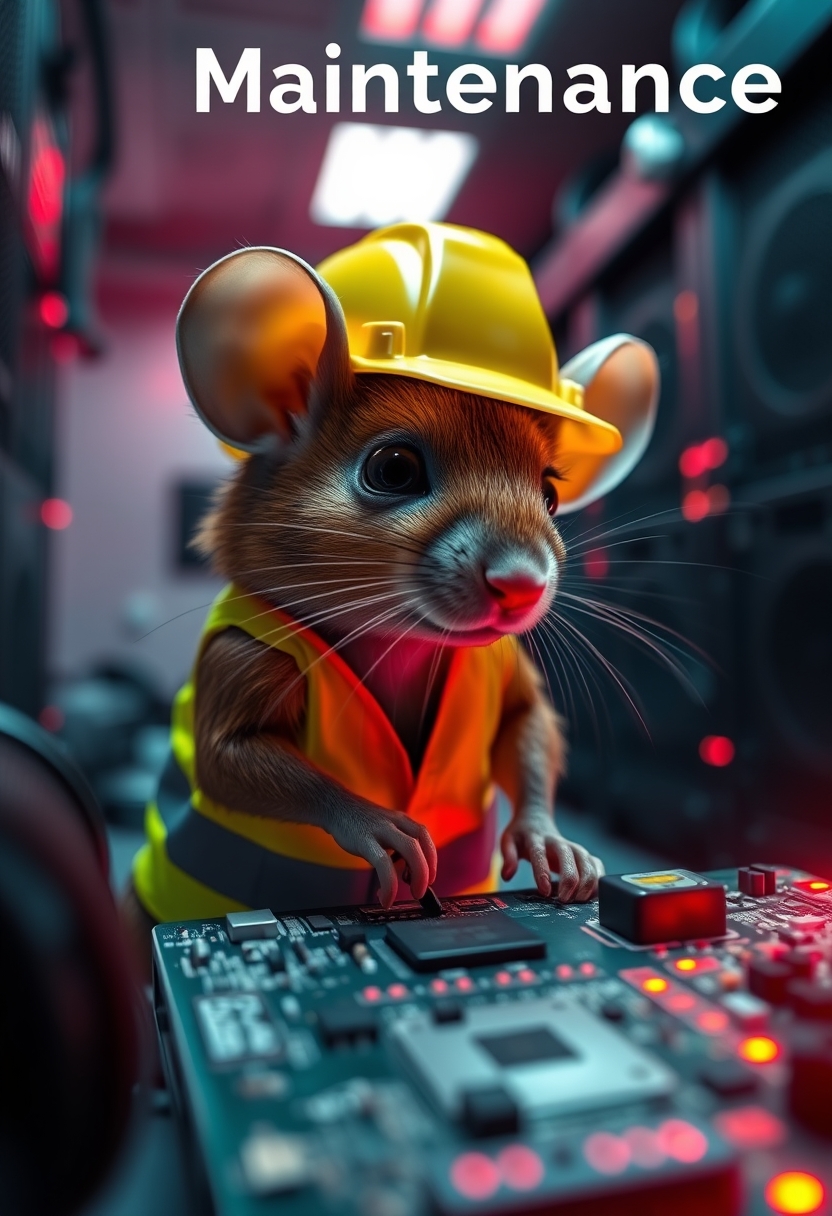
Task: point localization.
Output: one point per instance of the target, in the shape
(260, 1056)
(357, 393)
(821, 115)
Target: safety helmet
(435, 302)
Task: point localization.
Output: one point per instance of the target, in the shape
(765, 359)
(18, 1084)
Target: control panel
(666, 1048)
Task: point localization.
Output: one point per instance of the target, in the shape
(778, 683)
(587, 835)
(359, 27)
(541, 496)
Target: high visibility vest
(202, 859)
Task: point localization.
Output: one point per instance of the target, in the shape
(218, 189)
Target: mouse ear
(255, 333)
(620, 379)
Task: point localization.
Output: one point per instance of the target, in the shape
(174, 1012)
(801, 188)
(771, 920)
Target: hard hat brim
(587, 435)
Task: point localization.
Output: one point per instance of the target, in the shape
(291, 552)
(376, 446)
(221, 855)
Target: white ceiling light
(374, 175)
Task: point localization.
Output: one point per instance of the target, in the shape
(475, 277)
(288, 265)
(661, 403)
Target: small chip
(345, 1022)
(351, 935)
(431, 945)
(247, 926)
(490, 1111)
(318, 923)
(446, 1011)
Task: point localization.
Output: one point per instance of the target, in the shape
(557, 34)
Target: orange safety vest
(202, 859)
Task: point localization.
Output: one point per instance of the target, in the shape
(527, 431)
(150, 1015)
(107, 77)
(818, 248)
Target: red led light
(654, 984)
(520, 1167)
(813, 886)
(714, 452)
(53, 309)
(508, 24)
(712, 1021)
(475, 1176)
(503, 978)
(680, 1002)
(645, 1147)
(682, 1141)
(464, 983)
(55, 514)
(716, 750)
(527, 976)
(390, 20)
(563, 971)
(749, 1127)
(450, 22)
(695, 506)
(587, 968)
(372, 993)
(439, 986)
(794, 1193)
(397, 992)
(685, 964)
(45, 197)
(606, 1153)
(759, 1049)
(692, 462)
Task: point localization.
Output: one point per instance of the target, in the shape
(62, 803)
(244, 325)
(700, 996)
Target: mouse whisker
(612, 671)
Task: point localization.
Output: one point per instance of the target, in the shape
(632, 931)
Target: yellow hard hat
(435, 302)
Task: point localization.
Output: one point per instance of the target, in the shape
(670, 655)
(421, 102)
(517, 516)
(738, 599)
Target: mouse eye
(550, 492)
(395, 470)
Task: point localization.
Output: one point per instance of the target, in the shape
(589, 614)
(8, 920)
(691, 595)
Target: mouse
(406, 444)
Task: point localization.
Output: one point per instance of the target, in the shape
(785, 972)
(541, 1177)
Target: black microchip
(465, 941)
(524, 1047)
(345, 1022)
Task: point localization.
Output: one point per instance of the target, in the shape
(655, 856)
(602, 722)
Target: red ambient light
(53, 309)
(475, 1176)
(813, 886)
(596, 564)
(794, 1193)
(717, 750)
(748, 1127)
(450, 22)
(507, 25)
(390, 20)
(55, 514)
(520, 1167)
(45, 199)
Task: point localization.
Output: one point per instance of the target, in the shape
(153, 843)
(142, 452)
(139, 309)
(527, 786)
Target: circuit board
(513, 1055)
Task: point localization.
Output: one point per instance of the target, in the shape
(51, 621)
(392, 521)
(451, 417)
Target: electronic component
(236, 1027)
(272, 1163)
(431, 904)
(345, 1022)
(247, 926)
(662, 906)
(769, 874)
(318, 923)
(490, 1111)
(491, 938)
(200, 953)
(751, 882)
(553, 1057)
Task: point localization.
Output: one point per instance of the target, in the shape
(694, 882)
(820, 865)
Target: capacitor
(363, 958)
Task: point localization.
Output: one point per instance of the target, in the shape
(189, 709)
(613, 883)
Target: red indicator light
(464, 983)
(714, 452)
(795, 1193)
(390, 20)
(712, 1021)
(439, 986)
(587, 968)
(692, 463)
(397, 992)
(759, 1049)
(503, 978)
(563, 971)
(682, 1141)
(716, 750)
(520, 1167)
(685, 964)
(508, 24)
(606, 1153)
(450, 22)
(645, 1147)
(813, 886)
(655, 984)
(527, 976)
(55, 514)
(680, 1002)
(749, 1127)
(475, 1176)
(53, 309)
(695, 506)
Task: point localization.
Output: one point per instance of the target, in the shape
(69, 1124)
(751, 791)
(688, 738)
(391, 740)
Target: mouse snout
(515, 590)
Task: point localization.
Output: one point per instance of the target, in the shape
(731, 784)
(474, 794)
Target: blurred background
(693, 653)
(692, 648)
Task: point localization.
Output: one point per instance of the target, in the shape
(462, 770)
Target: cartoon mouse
(359, 689)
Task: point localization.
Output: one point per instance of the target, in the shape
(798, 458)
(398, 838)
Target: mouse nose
(514, 591)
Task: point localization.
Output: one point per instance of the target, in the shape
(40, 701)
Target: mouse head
(410, 438)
